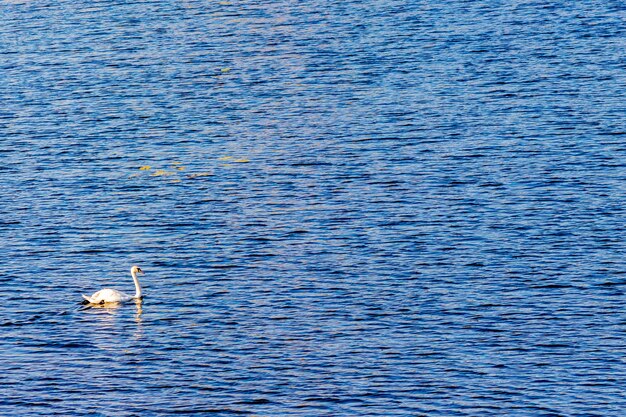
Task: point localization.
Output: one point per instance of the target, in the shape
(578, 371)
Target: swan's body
(108, 295)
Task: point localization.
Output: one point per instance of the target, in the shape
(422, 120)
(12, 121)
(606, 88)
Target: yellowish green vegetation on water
(176, 168)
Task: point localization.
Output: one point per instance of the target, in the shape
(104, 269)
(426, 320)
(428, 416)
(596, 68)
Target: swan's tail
(89, 300)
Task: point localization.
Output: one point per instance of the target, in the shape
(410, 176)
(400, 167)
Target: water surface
(345, 208)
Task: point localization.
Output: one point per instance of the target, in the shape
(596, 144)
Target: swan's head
(136, 269)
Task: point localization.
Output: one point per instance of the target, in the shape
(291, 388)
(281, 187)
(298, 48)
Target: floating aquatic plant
(176, 167)
(161, 172)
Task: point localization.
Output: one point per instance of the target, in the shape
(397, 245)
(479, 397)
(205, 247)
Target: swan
(108, 295)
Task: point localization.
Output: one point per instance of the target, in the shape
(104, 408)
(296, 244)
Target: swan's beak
(140, 271)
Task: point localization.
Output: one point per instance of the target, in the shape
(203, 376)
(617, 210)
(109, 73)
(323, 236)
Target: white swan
(108, 295)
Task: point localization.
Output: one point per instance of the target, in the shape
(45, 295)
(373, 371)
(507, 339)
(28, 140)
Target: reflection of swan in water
(108, 295)
(138, 302)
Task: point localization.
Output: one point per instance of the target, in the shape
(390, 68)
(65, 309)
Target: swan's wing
(108, 295)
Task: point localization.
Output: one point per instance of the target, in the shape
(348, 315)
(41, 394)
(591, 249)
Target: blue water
(343, 208)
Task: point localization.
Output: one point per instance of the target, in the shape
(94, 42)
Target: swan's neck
(137, 286)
